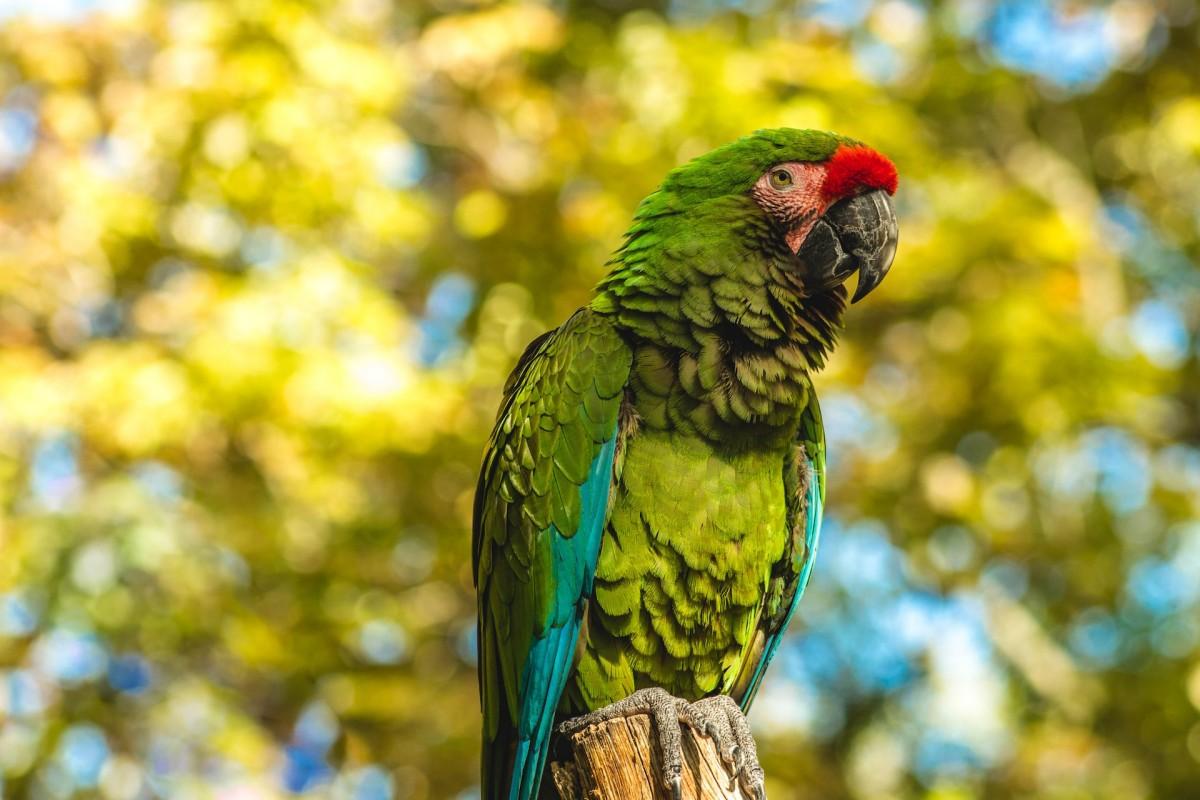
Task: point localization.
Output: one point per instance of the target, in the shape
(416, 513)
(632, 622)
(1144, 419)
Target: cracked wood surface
(619, 759)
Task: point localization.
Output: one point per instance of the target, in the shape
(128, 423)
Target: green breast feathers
(685, 570)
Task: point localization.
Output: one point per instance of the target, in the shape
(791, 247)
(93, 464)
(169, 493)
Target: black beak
(857, 233)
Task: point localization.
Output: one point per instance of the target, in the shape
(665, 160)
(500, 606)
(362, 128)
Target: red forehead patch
(852, 168)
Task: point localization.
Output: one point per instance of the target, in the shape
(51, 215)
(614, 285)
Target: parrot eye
(781, 179)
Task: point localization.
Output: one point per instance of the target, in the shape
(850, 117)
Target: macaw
(650, 499)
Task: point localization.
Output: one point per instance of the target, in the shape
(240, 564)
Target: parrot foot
(666, 712)
(719, 718)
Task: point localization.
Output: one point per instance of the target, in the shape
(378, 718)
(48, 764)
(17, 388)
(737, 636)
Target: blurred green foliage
(264, 266)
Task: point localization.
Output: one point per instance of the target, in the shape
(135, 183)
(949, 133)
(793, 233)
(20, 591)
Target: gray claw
(719, 718)
(722, 720)
(665, 711)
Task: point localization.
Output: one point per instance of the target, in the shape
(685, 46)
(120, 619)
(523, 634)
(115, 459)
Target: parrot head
(730, 281)
(836, 215)
(826, 200)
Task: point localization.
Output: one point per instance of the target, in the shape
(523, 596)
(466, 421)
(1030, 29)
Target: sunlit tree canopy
(265, 264)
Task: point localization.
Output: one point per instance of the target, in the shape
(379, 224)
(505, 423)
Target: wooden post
(619, 759)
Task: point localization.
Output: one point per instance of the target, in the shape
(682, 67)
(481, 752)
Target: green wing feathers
(543, 488)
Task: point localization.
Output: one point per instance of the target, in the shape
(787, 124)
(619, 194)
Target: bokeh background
(264, 265)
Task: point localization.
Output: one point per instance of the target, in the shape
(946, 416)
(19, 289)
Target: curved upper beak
(856, 233)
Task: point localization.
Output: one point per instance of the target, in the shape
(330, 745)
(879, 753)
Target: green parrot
(650, 499)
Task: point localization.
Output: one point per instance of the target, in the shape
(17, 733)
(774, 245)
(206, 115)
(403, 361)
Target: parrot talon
(665, 711)
(721, 718)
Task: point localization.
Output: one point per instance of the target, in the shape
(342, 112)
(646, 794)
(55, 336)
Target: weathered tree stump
(620, 759)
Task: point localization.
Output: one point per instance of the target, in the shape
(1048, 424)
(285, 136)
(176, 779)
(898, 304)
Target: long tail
(496, 767)
(517, 757)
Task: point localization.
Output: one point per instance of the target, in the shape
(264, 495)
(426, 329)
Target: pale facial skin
(791, 193)
(858, 234)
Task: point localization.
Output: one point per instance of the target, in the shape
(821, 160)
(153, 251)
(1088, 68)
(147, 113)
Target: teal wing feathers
(804, 478)
(540, 510)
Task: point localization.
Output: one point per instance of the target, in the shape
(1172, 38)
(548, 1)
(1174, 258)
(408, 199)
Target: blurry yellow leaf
(71, 116)
(1193, 686)
(1181, 123)
(470, 46)
(252, 641)
(948, 483)
(480, 213)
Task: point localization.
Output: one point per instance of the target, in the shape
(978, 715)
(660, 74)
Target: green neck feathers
(724, 338)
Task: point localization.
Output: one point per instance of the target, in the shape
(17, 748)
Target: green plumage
(696, 358)
(561, 403)
(692, 539)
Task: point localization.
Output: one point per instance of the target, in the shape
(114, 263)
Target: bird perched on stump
(650, 499)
